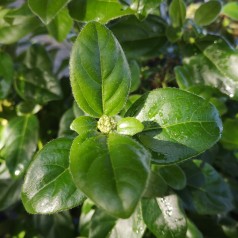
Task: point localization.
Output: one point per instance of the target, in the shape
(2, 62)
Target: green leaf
(231, 10)
(101, 224)
(178, 124)
(135, 75)
(38, 86)
(84, 10)
(164, 217)
(207, 12)
(54, 226)
(174, 176)
(95, 161)
(27, 107)
(192, 231)
(6, 74)
(173, 34)
(52, 189)
(213, 196)
(65, 122)
(20, 140)
(10, 188)
(140, 38)
(99, 72)
(133, 227)
(177, 12)
(129, 126)
(230, 134)
(21, 22)
(61, 25)
(84, 124)
(46, 10)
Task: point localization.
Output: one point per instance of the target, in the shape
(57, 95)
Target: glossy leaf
(178, 124)
(213, 196)
(6, 74)
(52, 189)
(177, 12)
(174, 176)
(38, 86)
(27, 107)
(164, 217)
(129, 126)
(133, 227)
(229, 136)
(61, 25)
(140, 38)
(99, 72)
(19, 143)
(231, 10)
(10, 188)
(84, 10)
(95, 161)
(207, 12)
(83, 124)
(193, 231)
(46, 10)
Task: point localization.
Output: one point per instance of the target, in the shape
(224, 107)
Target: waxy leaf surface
(19, 143)
(52, 188)
(111, 170)
(99, 72)
(178, 124)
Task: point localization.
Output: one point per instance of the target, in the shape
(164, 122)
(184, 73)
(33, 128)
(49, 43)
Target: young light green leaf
(164, 217)
(177, 12)
(231, 10)
(84, 10)
(99, 72)
(19, 143)
(129, 126)
(61, 25)
(178, 124)
(230, 134)
(174, 176)
(46, 10)
(83, 124)
(52, 189)
(6, 74)
(105, 175)
(207, 12)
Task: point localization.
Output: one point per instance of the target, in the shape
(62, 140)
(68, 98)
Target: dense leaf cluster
(118, 118)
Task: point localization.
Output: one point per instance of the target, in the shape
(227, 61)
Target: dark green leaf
(129, 126)
(6, 74)
(46, 10)
(52, 189)
(27, 107)
(54, 226)
(94, 162)
(164, 217)
(83, 124)
(173, 34)
(38, 86)
(231, 10)
(84, 10)
(177, 12)
(99, 72)
(61, 25)
(135, 75)
(178, 124)
(192, 231)
(65, 122)
(207, 12)
(139, 38)
(174, 176)
(20, 140)
(213, 196)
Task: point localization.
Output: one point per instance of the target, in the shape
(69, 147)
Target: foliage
(138, 138)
